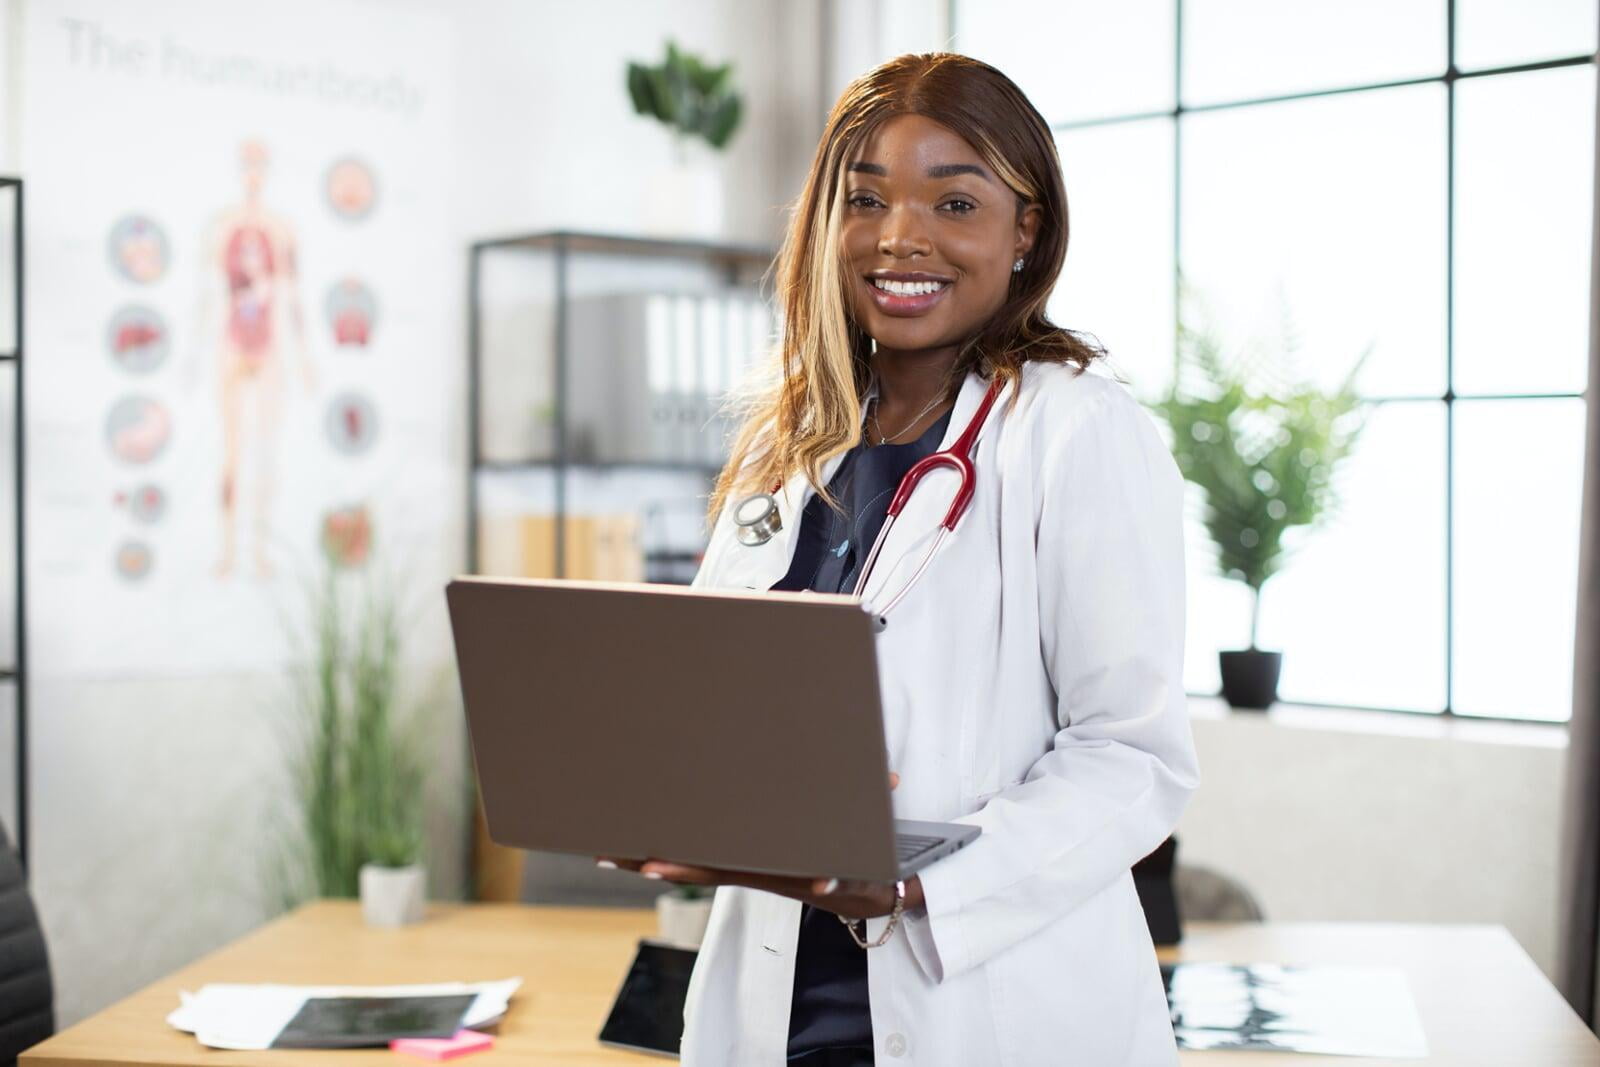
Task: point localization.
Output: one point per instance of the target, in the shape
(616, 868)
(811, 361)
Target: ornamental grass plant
(356, 754)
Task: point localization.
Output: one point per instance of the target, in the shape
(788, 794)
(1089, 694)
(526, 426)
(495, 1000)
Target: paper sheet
(246, 1017)
(1336, 1011)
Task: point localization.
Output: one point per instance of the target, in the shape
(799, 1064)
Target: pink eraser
(443, 1048)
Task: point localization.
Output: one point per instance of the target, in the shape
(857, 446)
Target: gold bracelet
(888, 931)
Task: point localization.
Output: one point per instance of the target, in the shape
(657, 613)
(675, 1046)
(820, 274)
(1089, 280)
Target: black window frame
(1449, 397)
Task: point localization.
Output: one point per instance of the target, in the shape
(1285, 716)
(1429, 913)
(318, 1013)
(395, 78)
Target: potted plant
(682, 914)
(1263, 447)
(356, 757)
(697, 103)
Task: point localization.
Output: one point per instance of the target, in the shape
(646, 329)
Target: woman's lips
(905, 305)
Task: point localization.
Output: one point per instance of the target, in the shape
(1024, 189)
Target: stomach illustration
(137, 429)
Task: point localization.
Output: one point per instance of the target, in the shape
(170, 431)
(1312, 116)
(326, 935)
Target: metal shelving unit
(565, 265)
(17, 673)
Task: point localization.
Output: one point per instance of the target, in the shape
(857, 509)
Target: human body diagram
(253, 325)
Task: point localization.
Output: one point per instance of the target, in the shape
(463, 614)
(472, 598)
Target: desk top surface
(1481, 999)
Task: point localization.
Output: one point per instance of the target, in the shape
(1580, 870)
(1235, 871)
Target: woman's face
(930, 234)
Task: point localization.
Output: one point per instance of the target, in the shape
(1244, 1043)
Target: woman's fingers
(849, 898)
(688, 874)
(613, 864)
(894, 779)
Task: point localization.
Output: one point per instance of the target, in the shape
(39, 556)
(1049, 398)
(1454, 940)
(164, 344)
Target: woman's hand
(853, 900)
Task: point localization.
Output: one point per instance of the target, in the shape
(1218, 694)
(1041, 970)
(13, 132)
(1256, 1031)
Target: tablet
(648, 1013)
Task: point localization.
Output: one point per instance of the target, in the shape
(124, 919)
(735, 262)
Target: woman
(1031, 679)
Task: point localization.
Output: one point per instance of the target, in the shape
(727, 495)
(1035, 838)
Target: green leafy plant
(1262, 445)
(358, 769)
(689, 96)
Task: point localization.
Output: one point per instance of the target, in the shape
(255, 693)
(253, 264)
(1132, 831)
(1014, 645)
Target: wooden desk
(1482, 1000)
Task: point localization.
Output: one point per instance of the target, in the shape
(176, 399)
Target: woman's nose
(902, 235)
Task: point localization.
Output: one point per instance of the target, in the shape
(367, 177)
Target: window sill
(1387, 723)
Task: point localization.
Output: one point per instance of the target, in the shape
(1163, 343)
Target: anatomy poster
(242, 320)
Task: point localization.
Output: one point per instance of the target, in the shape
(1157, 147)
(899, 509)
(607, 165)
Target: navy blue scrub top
(829, 1015)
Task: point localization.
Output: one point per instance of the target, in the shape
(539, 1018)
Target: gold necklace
(882, 440)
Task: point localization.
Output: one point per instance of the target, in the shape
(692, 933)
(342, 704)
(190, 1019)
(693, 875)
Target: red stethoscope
(756, 517)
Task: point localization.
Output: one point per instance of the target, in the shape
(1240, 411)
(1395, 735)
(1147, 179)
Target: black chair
(27, 1016)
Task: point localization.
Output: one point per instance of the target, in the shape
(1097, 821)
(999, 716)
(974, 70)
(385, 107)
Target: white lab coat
(1032, 685)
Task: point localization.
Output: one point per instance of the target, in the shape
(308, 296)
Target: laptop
(732, 729)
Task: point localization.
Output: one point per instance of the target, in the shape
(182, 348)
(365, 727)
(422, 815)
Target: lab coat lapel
(966, 405)
(796, 492)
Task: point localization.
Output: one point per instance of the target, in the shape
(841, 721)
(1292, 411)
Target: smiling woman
(1040, 701)
(934, 220)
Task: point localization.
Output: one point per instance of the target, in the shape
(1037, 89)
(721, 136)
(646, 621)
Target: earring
(1016, 268)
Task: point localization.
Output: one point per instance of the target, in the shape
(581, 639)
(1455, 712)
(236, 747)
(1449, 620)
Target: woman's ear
(1028, 220)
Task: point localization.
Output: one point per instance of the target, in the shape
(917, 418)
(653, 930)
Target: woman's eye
(863, 200)
(960, 207)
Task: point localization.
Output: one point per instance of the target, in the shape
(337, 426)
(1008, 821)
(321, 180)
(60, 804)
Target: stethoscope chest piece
(756, 519)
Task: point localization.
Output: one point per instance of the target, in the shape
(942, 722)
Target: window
(1404, 174)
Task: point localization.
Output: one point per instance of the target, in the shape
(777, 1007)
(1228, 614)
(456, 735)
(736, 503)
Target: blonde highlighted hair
(809, 410)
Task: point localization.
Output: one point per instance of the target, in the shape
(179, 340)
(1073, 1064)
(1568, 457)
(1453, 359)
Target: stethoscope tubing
(755, 530)
(958, 456)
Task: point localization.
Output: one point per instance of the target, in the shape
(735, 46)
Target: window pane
(1285, 213)
(1117, 282)
(1243, 49)
(1496, 33)
(1358, 611)
(1524, 200)
(1218, 609)
(8, 273)
(1076, 59)
(1519, 478)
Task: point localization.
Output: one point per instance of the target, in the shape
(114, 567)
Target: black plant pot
(1250, 677)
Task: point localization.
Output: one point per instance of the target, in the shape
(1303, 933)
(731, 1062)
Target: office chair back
(27, 1014)
(1206, 894)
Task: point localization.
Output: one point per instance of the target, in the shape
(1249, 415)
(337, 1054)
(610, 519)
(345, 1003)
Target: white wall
(594, 164)
(1382, 817)
(150, 798)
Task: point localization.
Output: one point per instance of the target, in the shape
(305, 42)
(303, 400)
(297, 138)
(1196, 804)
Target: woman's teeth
(889, 285)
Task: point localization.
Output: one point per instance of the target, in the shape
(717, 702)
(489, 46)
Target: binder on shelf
(649, 373)
(658, 361)
(685, 377)
(712, 386)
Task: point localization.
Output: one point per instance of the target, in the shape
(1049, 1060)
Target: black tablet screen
(648, 1013)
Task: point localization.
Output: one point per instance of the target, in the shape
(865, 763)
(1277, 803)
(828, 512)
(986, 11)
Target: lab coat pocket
(983, 797)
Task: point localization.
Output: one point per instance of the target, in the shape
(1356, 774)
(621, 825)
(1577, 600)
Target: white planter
(392, 896)
(682, 922)
(685, 200)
